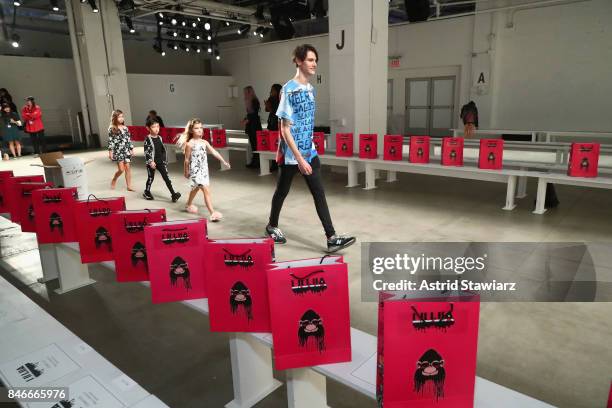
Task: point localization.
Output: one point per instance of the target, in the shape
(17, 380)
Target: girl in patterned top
(120, 148)
(196, 166)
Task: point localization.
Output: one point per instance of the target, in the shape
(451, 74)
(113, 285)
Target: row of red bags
(217, 137)
(426, 350)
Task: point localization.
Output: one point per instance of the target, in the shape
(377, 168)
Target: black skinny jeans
(164, 173)
(38, 142)
(287, 171)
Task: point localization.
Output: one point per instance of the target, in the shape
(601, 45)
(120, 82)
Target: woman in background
(9, 129)
(252, 122)
(272, 106)
(32, 116)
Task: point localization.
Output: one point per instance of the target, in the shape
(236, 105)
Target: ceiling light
(15, 40)
(93, 5)
(54, 5)
(244, 29)
(130, 25)
(207, 25)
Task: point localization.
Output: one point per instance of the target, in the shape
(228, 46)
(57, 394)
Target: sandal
(192, 209)
(216, 216)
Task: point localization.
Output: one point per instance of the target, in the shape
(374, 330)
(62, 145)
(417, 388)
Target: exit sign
(395, 63)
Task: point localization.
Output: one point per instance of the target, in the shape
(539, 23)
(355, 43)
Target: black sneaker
(147, 195)
(276, 234)
(175, 197)
(338, 242)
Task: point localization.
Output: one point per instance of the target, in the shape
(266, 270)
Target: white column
(358, 48)
(102, 62)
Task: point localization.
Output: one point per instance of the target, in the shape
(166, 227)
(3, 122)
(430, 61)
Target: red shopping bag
(491, 154)
(318, 138)
(419, 149)
(172, 135)
(96, 242)
(175, 259)
(237, 284)
(4, 176)
(206, 135)
(25, 212)
(9, 198)
(344, 144)
(452, 151)
(138, 133)
(309, 310)
(393, 147)
(219, 138)
(263, 140)
(583, 160)
(130, 253)
(427, 351)
(274, 140)
(368, 146)
(54, 215)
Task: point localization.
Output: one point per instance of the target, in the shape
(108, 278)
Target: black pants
(164, 173)
(287, 171)
(38, 142)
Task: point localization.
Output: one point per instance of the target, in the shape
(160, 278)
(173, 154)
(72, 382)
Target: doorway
(430, 106)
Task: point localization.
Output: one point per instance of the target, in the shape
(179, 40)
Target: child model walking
(196, 166)
(156, 160)
(120, 148)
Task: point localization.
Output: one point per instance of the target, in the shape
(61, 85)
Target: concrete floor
(533, 348)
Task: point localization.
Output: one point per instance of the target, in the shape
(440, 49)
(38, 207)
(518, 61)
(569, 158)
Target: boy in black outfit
(156, 159)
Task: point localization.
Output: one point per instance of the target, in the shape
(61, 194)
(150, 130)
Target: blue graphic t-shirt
(297, 105)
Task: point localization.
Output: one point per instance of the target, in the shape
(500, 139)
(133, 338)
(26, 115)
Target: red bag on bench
(583, 160)
(172, 135)
(10, 199)
(25, 211)
(130, 253)
(175, 259)
(96, 242)
(344, 144)
(54, 215)
(263, 140)
(309, 310)
(4, 176)
(452, 151)
(237, 284)
(274, 139)
(219, 138)
(491, 154)
(368, 144)
(318, 138)
(393, 147)
(206, 135)
(419, 149)
(427, 351)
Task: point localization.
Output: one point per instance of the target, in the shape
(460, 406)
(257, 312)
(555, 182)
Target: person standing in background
(469, 116)
(272, 105)
(252, 122)
(32, 116)
(9, 129)
(5, 97)
(154, 117)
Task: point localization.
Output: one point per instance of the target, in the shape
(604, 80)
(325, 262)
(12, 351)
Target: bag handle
(94, 196)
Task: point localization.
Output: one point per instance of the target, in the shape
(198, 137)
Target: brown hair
(114, 121)
(300, 52)
(187, 135)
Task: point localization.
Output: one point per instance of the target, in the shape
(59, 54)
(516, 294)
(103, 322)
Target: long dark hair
(253, 103)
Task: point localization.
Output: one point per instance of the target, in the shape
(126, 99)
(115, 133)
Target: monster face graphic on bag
(56, 223)
(311, 283)
(392, 150)
(491, 157)
(368, 148)
(420, 152)
(584, 164)
(429, 375)
(453, 154)
(344, 147)
(64, 404)
(103, 238)
(139, 254)
(240, 298)
(311, 330)
(29, 371)
(440, 320)
(179, 270)
(31, 212)
(244, 260)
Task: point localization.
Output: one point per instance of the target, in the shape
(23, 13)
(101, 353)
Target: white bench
(532, 133)
(31, 329)
(550, 135)
(545, 178)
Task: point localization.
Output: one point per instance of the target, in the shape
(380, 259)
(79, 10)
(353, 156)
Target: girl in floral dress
(196, 166)
(120, 148)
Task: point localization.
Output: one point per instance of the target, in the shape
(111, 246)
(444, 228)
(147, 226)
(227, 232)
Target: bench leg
(370, 177)
(48, 261)
(522, 187)
(353, 180)
(510, 191)
(264, 165)
(171, 153)
(391, 176)
(377, 173)
(249, 153)
(306, 389)
(540, 207)
(225, 155)
(72, 273)
(251, 371)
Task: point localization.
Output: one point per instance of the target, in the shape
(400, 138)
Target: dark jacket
(469, 113)
(9, 133)
(149, 151)
(272, 107)
(254, 121)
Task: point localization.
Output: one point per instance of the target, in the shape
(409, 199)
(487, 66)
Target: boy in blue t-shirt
(296, 151)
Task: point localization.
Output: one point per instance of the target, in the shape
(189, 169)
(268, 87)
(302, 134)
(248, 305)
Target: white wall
(194, 96)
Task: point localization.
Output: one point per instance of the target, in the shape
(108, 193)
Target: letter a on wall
(481, 74)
